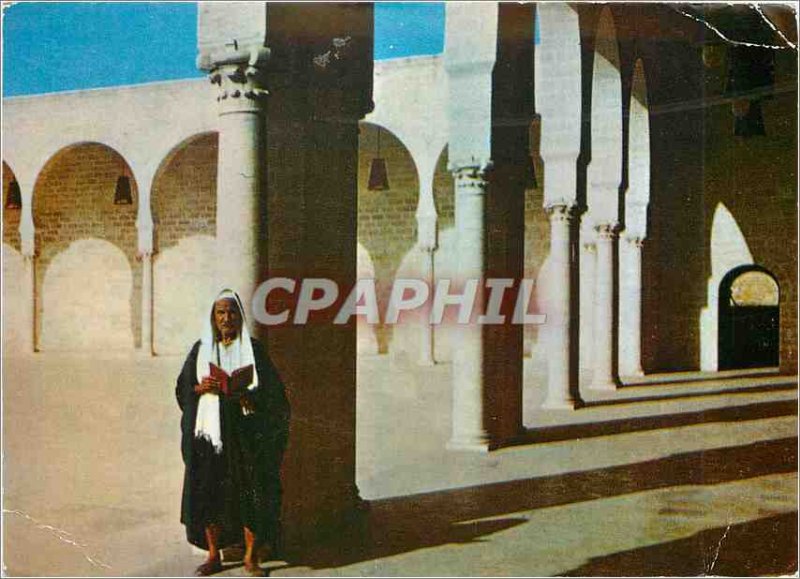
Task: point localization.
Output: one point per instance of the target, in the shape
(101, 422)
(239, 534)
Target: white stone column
(241, 208)
(468, 427)
(559, 309)
(27, 233)
(603, 351)
(427, 234)
(30, 310)
(630, 311)
(586, 270)
(144, 230)
(147, 303)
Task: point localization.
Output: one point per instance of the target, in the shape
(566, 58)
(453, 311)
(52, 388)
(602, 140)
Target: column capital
(240, 86)
(562, 212)
(634, 240)
(471, 179)
(607, 230)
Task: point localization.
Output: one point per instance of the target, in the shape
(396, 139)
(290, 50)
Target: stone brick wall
(74, 201)
(184, 195)
(756, 180)
(10, 216)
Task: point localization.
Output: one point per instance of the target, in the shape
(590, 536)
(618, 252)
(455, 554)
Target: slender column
(630, 316)
(426, 344)
(30, 310)
(427, 243)
(603, 354)
(586, 267)
(468, 428)
(147, 303)
(559, 310)
(241, 210)
(27, 234)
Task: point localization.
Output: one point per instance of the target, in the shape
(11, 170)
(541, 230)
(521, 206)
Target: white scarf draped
(237, 355)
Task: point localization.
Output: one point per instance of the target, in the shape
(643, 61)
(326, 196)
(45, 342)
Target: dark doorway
(749, 319)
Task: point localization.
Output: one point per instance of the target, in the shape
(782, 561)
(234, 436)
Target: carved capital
(606, 231)
(562, 212)
(635, 241)
(239, 86)
(471, 180)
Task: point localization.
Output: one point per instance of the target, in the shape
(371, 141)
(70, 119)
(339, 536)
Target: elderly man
(235, 427)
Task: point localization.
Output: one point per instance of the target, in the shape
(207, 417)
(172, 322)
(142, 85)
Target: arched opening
(11, 214)
(749, 319)
(184, 204)
(729, 250)
(82, 224)
(386, 218)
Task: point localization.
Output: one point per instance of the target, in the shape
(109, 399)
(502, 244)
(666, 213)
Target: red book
(232, 383)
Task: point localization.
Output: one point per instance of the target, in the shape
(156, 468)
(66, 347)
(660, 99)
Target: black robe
(241, 486)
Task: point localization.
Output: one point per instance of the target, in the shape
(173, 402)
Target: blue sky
(60, 46)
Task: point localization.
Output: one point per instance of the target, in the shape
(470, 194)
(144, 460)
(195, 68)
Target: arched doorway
(749, 319)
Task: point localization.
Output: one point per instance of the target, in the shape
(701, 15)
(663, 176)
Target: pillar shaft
(559, 310)
(603, 351)
(586, 267)
(147, 304)
(241, 218)
(30, 310)
(630, 316)
(426, 345)
(27, 233)
(468, 427)
(427, 234)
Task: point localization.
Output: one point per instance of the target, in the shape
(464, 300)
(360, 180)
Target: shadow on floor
(405, 524)
(664, 397)
(764, 547)
(757, 411)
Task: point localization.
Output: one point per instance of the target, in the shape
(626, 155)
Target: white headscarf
(239, 354)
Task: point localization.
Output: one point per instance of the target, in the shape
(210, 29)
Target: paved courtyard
(92, 478)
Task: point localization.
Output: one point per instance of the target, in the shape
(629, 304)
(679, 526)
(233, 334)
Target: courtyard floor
(689, 478)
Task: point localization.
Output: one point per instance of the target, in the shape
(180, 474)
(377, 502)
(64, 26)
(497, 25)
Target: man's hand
(248, 407)
(209, 385)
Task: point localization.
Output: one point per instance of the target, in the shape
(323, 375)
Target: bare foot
(254, 571)
(208, 568)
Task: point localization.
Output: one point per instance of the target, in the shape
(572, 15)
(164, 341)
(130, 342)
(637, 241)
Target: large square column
(489, 65)
(287, 194)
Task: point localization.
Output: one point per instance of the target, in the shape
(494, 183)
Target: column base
(480, 444)
(426, 362)
(561, 404)
(604, 386)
